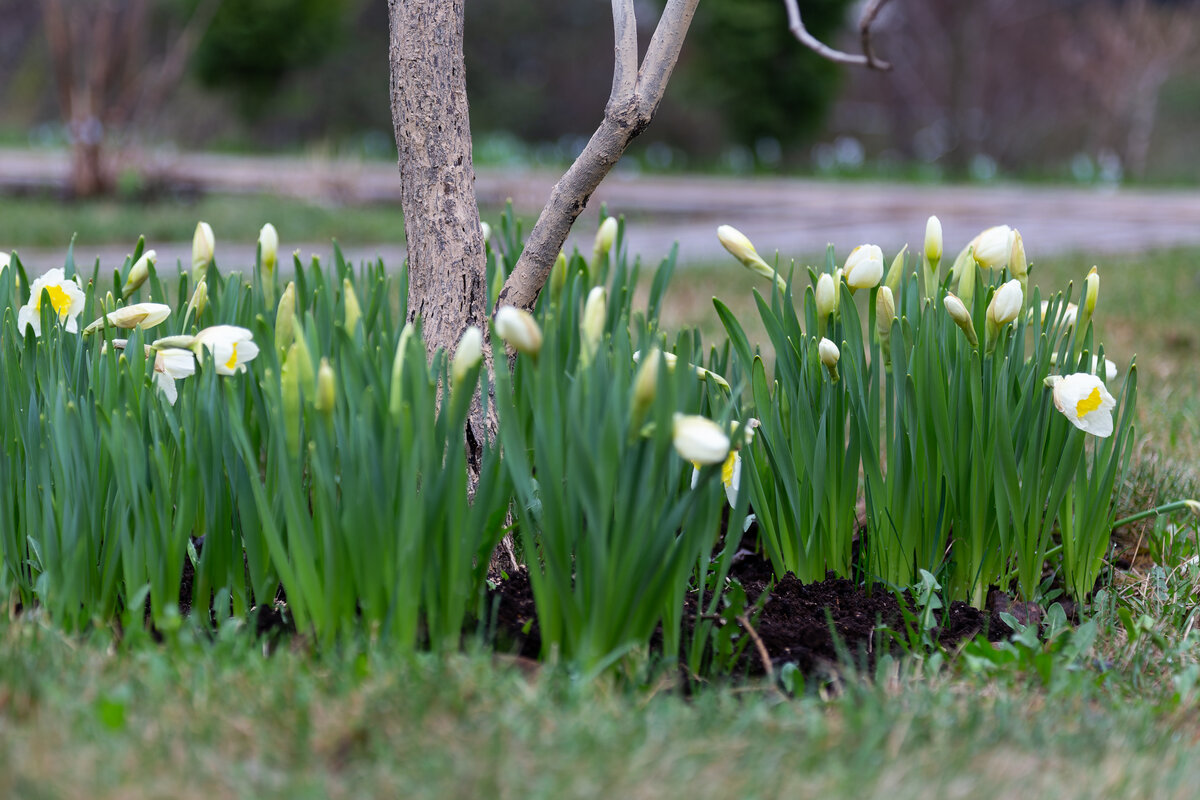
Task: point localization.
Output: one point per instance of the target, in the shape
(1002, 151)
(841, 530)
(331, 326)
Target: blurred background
(144, 105)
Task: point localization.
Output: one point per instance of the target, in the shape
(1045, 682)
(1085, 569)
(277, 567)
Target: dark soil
(794, 624)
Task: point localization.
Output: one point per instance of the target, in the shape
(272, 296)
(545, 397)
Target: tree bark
(446, 258)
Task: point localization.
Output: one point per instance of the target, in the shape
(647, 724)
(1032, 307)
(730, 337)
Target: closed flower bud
(468, 355)
(595, 313)
(486, 230)
(1091, 291)
(203, 246)
(885, 311)
(353, 310)
(826, 296)
(645, 384)
(993, 247)
(519, 329)
(558, 277)
(326, 388)
(864, 267)
(699, 440)
(962, 318)
(829, 354)
(284, 314)
(268, 245)
(198, 301)
(396, 390)
(933, 241)
(138, 315)
(604, 238)
(743, 250)
(139, 272)
(1006, 304)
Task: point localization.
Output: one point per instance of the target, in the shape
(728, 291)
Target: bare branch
(663, 52)
(868, 59)
(625, 65)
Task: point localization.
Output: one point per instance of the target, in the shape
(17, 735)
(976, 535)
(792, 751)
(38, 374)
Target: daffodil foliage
(980, 460)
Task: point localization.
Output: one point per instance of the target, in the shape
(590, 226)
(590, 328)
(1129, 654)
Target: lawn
(1064, 716)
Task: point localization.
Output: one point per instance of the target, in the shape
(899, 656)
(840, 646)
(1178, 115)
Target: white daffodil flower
(231, 347)
(170, 365)
(66, 298)
(1110, 367)
(731, 476)
(700, 440)
(138, 315)
(1082, 398)
(864, 267)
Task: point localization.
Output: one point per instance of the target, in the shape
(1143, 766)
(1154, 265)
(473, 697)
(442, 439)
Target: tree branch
(629, 111)
(663, 53)
(625, 65)
(868, 59)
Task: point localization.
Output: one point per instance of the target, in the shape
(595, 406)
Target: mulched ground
(794, 624)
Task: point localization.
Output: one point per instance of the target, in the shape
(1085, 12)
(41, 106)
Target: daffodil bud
(139, 272)
(864, 267)
(1193, 505)
(829, 354)
(138, 315)
(486, 230)
(306, 373)
(1091, 292)
(203, 246)
(962, 318)
(326, 388)
(993, 247)
(467, 356)
(1005, 307)
(826, 296)
(284, 314)
(699, 440)
(604, 239)
(885, 312)
(1006, 303)
(645, 384)
(558, 277)
(498, 277)
(350, 301)
(743, 250)
(268, 247)
(595, 313)
(198, 301)
(933, 241)
(396, 391)
(519, 329)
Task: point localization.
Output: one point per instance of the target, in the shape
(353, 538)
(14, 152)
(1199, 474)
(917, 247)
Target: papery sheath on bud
(1018, 264)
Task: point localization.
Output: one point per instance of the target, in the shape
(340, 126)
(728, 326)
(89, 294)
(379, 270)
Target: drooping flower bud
(829, 354)
(519, 329)
(962, 318)
(699, 440)
(139, 272)
(743, 250)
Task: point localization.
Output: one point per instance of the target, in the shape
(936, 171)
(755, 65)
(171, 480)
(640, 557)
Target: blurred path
(798, 217)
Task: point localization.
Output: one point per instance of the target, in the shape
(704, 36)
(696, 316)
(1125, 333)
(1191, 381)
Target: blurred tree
(250, 47)
(743, 62)
(110, 73)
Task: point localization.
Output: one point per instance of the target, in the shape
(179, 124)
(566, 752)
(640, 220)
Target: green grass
(188, 720)
(45, 221)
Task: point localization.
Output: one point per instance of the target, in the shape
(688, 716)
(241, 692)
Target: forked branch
(868, 57)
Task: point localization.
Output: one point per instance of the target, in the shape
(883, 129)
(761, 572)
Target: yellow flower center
(60, 301)
(232, 362)
(727, 469)
(1088, 404)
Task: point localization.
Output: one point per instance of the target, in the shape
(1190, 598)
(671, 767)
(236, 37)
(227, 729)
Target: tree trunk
(446, 258)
